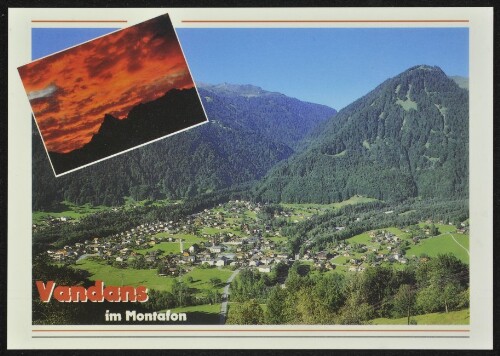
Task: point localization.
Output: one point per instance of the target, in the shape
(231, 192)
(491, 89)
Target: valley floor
(202, 251)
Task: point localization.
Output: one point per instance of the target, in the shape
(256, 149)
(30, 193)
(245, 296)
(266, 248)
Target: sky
(327, 66)
(71, 91)
(330, 66)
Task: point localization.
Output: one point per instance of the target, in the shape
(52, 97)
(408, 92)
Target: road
(225, 296)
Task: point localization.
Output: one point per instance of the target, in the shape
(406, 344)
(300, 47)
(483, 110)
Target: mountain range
(406, 138)
(249, 131)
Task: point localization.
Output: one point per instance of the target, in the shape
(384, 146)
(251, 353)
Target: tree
(215, 281)
(246, 313)
(182, 294)
(276, 311)
(404, 300)
(442, 282)
(433, 231)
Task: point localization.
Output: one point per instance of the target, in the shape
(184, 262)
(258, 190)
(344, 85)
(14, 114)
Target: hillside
(276, 116)
(406, 138)
(463, 82)
(247, 135)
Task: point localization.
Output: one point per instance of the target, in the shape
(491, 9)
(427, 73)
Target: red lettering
(45, 291)
(95, 293)
(142, 294)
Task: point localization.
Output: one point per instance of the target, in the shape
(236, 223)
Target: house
(194, 248)
(322, 256)
(254, 262)
(265, 269)
(267, 260)
(216, 249)
(220, 262)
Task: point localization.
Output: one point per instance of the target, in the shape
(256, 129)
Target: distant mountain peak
(245, 90)
(425, 67)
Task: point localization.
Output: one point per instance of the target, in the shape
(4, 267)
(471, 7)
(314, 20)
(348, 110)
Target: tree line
(439, 284)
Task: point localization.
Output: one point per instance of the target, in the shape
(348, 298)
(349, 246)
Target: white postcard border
(20, 331)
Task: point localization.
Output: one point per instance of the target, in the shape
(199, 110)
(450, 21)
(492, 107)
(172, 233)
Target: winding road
(225, 297)
(458, 243)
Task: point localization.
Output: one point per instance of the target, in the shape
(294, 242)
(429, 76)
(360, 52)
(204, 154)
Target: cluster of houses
(360, 256)
(234, 240)
(50, 220)
(225, 248)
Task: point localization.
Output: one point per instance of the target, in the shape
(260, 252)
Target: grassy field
(431, 246)
(166, 247)
(67, 209)
(460, 317)
(201, 277)
(441, 244)
(117, 276)
(462, 240)
(129, 202)
(361, 239)
(77, 212)
(303, 211)
(172, 247)
(278, 239)
(214, 231)
(149, 277)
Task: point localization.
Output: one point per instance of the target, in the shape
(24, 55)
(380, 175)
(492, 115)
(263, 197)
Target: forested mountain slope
(250, 130)
(406, 138)
(276, 116)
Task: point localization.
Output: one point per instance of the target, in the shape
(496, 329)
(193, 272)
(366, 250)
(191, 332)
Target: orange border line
(251, 330)
(319, 21)
(86, 21)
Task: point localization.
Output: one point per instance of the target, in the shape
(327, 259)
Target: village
(232, 235)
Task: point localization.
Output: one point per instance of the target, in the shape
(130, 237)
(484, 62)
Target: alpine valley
(307, 215)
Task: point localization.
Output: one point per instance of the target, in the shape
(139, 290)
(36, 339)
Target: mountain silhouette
(176, 110)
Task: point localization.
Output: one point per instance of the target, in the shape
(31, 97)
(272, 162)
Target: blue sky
(328, 66)
(45, 41)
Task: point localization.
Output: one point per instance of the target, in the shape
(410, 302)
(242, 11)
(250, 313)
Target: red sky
(71, 91)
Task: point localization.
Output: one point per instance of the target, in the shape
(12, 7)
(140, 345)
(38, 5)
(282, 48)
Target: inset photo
(112, 94)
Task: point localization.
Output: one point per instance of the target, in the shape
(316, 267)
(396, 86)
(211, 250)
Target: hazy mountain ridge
(250, 106)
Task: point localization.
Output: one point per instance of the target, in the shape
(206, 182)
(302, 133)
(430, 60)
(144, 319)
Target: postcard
(329, 179)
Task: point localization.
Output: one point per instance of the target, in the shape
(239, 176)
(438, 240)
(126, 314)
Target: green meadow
(460, 317)
(118, 276)
(148, 277)
(66, 209)
(441, 244)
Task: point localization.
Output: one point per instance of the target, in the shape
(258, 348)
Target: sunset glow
(71, 91)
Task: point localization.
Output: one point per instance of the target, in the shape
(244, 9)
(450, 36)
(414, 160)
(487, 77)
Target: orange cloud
(71, 91)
